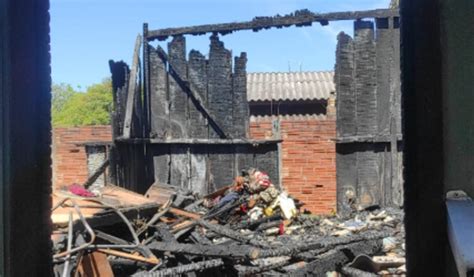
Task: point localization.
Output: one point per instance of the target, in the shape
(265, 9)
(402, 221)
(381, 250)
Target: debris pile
(248, 228)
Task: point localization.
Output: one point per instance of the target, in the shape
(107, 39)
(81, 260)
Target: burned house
(437, 104)
(192, 128)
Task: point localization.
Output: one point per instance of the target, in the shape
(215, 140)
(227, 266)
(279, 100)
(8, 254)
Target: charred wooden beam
(298, 18)
(354, 272)
(99, 171)
(164, 233)
(252, 225)
(200, 141)
(200, 239)
(252, 270)
(294, 250)
(334, 259)
(226, 251)
(368, 138)
(132, 89)
(178, 270)
(226, 232)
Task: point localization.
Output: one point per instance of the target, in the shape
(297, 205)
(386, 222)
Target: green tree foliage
(394, 4)
(75, 108)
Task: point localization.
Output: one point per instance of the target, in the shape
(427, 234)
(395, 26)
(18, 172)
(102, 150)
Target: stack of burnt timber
(171, 232)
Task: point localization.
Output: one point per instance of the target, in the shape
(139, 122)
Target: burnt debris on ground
(245, 229)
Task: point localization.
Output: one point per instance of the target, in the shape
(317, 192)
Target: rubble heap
(248, 228)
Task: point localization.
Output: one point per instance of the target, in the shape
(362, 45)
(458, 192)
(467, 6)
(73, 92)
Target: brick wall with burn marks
(308, 156)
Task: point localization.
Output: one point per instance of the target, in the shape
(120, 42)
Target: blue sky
(85, 34)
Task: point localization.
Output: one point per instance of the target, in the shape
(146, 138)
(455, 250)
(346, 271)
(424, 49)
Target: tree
(82, 108)
(61, 94)
(394, 4)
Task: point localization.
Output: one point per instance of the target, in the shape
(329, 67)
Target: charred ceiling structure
(369, 136)
(183, 119)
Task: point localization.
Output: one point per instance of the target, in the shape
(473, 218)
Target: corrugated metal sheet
(302, 117)
(290, 86)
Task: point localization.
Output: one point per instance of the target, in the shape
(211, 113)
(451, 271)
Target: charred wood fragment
(175, 271)
(226, 232)
(336, 258)
(298, 18)
(226, 251)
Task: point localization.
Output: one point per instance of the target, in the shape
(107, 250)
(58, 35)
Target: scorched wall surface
(308, 158)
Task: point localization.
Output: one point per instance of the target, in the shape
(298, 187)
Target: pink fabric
(80, 191)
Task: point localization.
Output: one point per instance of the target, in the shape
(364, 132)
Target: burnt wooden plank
(220, 85)
(197, 75)
(386, 167)
(395, 112)
(367, 177)
(395, 74)
(244, 158)
(177, 97)
(219, 72)
(240, 107)
(221, 166)
(132, 89)
(178, 112)
(120, 73)
(365, 78)
(267, 161)
(227, 251)
(384, 56)
(160, 119)
(199, 169)
(298, 18)
(344, 80)
(397, 190)
(346, 175)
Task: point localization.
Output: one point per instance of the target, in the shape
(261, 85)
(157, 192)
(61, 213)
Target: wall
(25, 139)
(69, 158)
(369, 137)
(458, 69)
(425, 217)
(308, 158)
(457, 42)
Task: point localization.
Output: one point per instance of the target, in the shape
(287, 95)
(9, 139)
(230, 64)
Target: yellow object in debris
(268, 211)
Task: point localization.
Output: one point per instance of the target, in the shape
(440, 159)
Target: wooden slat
(365, 78)
(240, 110)
(346, 168)
(220, 86)
(197, 76)
(132, 88)
(201, 141)
(160, 119)
(179, 158)
(344, 80)
(368, 192)
(384, 54)
(95, 264)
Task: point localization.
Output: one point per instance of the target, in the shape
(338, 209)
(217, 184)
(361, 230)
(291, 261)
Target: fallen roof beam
(298, 18)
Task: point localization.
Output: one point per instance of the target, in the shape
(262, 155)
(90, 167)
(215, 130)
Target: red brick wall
(308, 158)
(69, 159)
